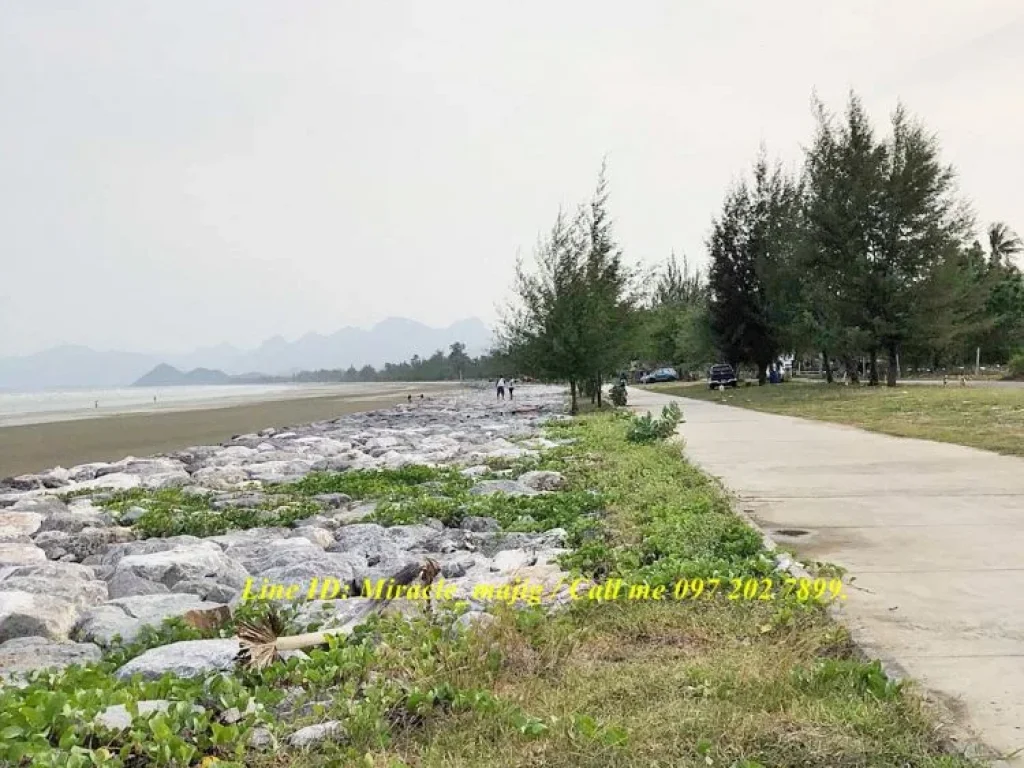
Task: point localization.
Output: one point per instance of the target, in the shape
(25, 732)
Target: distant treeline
(438, 367)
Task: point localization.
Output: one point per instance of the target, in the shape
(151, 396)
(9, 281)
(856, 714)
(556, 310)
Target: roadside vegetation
(697, 682)
(990, 418)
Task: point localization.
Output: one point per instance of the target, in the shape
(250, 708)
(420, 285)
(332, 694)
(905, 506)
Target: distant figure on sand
(511, 388)
(501, 388)
(96, 404)
(410, 398)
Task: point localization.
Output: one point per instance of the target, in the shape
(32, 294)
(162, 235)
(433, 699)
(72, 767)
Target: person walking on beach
(511, 388)
(501, 388)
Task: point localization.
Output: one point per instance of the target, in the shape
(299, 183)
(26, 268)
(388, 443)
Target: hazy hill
(168, 376)
(391, 340)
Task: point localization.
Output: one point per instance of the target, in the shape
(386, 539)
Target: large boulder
(188, 658)
(221, 477)
(28, 613)
(273, 553)
(147, 546)
(20, 553)
(127, 616)
(73, 522)
(14, 524)
(184, 563)
(87, 543)
(128, 584)
(73, 583)
(25, 654)
(368, 540)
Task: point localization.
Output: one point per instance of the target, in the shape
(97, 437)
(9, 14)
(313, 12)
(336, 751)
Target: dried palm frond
(261, 642)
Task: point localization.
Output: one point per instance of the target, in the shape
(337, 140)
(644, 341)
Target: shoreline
(37, 447)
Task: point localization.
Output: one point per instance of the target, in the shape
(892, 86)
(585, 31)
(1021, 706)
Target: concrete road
(932, 534)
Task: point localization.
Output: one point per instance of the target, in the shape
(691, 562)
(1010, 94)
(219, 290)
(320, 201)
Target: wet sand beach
(37, 447)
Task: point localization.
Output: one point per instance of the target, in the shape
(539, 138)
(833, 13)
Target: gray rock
(366, 539)
(541, 480)
(249, 536)
(273, 553)
(333, 500)
(261, 738)
(25, 654)
(81, 593)
(249, 500)
(127, 616)
(479, 524)
(128, 584)
(145, 547)
(311, 735)
(186, 563)
(509, 487)
(454, 569)
(132, 515)
(221, 478)
(341, 566)
(207, 589)
(475, 471)
(188, 658)
(19, 553)
(117, 717)
(87, 543)
(321, 537)
(175, 479)
(511, 560)
(474, 619)
(72, 522)
(333, 613)
(415, 538)
(19, 523)
(25, 614)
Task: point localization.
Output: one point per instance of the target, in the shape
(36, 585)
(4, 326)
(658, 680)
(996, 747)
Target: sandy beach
(36, 447)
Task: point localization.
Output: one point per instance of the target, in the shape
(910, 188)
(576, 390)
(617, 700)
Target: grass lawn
(745, 683)
(981, 417)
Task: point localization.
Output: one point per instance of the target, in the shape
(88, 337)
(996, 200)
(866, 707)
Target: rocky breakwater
(93, 554)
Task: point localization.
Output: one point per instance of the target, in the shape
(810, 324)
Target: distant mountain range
(392, 340)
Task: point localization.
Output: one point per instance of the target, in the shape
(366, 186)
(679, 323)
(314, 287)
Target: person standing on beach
(501, 388)
(511, 388)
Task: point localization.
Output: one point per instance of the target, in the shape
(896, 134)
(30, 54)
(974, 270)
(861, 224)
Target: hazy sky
(186, 172)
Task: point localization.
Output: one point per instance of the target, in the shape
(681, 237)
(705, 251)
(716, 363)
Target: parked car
(662, 374)
(722, 375)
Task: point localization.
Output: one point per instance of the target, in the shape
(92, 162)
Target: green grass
(710, 682)
(991, 418)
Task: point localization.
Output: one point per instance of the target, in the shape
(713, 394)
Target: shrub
(1017, 365)
(646, 429)
(617, 394)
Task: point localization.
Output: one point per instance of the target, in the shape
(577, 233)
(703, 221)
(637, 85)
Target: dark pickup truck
(722, 376)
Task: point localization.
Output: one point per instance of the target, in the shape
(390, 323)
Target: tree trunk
(890, 375)
(873, 378)
(828, 366)
(572, 396)
(762, 374)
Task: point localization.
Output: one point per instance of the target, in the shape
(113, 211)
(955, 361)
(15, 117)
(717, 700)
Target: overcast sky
(186, 172)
